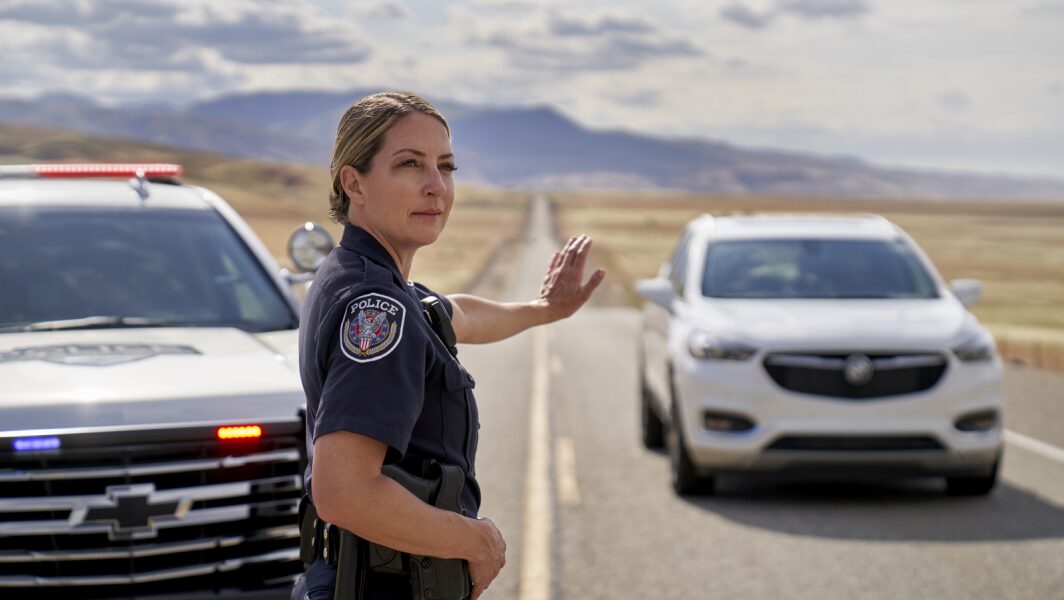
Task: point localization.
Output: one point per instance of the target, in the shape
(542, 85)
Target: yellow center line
(565, 463)
(535, 581)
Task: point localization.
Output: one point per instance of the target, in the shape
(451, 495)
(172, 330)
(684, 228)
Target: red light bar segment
(79, 170)
(239, 432)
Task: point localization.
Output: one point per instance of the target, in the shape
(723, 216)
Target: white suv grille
(826, 374)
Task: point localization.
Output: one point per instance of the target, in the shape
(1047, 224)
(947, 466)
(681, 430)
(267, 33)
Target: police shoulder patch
(372, 327)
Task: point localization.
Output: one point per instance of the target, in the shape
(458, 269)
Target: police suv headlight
(976, 348)
(707, 346)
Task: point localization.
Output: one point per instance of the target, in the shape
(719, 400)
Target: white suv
(823, 343)
(151, 437)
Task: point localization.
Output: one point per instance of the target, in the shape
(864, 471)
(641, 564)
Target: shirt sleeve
(375, 371)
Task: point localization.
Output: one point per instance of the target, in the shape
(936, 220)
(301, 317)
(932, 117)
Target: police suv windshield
(813, 268)
(66, 268)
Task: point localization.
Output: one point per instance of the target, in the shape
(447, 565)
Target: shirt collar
(360, 241)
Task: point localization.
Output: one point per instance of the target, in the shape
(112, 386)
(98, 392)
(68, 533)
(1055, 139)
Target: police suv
(151, 433)
(816, 343)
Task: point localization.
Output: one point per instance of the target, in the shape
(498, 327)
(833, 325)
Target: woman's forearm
(480, 321)
(384, 512)
(350, 491)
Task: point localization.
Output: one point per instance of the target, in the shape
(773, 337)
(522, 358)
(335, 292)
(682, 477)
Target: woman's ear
(351, 181)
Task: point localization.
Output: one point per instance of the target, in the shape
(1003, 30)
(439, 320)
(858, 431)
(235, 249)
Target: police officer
(381, 385)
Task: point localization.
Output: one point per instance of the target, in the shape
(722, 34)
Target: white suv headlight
(976, 348)
(707, 346)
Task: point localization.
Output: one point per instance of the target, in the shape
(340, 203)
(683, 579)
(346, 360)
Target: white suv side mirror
(967, 291)
(658, 290)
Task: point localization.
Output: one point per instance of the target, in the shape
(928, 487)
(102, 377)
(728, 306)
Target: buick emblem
(858, 370)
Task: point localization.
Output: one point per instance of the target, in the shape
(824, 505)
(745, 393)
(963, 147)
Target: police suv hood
(848, 323)
(144, 376)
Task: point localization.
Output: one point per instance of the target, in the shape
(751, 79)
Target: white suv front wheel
(686, 479)
(651, 427)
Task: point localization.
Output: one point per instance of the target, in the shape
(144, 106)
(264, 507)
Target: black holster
(355, 558)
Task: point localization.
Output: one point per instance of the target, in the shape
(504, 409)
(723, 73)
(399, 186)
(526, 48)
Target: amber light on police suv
(239, 432)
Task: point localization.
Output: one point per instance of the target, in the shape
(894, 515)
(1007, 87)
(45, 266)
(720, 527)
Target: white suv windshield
(811, 268)
(113, 267)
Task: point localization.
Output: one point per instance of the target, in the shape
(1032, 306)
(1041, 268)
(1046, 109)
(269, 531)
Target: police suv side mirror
(967, 291)
(657, 290)
(309, 245)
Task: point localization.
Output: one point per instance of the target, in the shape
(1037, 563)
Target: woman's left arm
(479, 320)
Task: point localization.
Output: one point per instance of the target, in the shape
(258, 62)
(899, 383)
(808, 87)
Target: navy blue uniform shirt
(371, 364)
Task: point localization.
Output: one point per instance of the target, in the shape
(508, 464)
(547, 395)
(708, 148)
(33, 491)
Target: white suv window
(815, 268)
(678, 264)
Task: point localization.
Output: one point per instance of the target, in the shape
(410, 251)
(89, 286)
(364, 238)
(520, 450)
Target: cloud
(1044, 9)
(745, 16)
(560, 23)
(177, 50)
(154, 34)
(385, 9)
(567, 40)
(822, 9)
(954, 100)
(645, 98)
(740, 14)
(511, 4)
(80, 12)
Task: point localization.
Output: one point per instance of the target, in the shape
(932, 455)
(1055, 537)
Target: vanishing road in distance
(588, 513)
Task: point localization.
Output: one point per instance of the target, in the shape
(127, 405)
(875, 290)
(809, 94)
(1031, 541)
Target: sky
(973, 85)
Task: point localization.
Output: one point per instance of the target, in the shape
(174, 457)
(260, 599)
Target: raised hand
(563, 291)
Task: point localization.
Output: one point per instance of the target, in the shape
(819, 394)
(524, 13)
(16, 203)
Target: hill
(530, 147)
(275, 198)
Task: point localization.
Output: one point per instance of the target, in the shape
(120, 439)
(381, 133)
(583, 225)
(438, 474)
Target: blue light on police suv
(36, 443)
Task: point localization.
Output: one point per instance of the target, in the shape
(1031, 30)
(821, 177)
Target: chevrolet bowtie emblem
(130, 510)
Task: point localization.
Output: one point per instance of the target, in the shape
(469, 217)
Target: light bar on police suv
(149, 171)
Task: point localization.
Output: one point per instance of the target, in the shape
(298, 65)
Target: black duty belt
(354, 558)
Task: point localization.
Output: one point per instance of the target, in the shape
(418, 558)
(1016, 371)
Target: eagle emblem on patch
(372, 327)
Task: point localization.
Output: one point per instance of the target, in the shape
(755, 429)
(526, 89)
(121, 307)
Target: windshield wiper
(94, 322)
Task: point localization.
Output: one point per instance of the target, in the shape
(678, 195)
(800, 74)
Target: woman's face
(406, 196)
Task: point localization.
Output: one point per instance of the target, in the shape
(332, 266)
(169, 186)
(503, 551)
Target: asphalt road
(588, 513)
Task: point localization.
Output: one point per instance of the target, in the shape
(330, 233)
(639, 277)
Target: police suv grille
(825, 374)
(140, 512)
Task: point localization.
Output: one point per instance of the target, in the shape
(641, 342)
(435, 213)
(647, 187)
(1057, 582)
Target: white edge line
(1032, 445)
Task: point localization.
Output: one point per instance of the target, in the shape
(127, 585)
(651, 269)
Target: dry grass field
(1015, 248)
(481, 221)
(275, 198)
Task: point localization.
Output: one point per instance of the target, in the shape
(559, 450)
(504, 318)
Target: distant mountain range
(534, 147)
